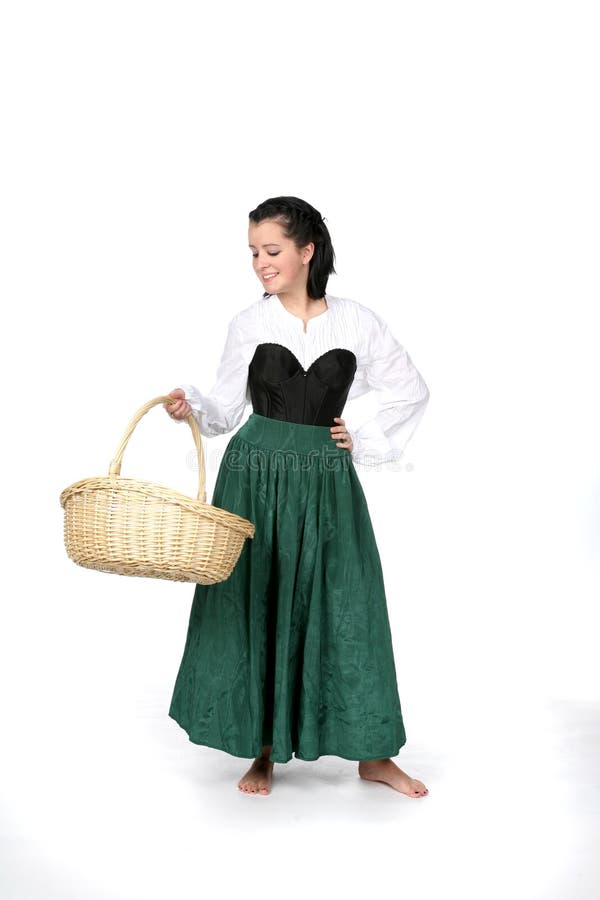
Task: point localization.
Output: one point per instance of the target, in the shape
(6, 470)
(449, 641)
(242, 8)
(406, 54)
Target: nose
(261, 260)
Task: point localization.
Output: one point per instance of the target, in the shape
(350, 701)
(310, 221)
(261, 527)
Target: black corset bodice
(281, 389)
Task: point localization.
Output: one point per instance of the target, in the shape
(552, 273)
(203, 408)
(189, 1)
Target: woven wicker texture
(131, 527)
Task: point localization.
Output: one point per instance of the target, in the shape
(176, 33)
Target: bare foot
(257, 780)
(387, 771)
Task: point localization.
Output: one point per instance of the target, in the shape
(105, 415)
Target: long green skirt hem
(294, 649)
(384, 754)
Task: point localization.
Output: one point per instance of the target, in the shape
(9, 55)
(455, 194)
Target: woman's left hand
(340, 435)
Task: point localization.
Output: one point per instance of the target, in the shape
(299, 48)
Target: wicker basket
(130, 527)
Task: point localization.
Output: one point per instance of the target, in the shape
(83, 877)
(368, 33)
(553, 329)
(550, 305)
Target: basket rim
(160, 492)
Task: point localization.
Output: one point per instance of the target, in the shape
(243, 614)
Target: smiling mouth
(269, 277)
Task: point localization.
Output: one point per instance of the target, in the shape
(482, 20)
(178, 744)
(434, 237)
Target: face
(278, 263)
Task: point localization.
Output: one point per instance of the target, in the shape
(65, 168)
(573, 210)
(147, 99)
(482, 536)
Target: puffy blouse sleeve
(222, 408)
(402, 394)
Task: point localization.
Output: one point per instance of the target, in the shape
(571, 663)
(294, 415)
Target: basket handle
(115, 466)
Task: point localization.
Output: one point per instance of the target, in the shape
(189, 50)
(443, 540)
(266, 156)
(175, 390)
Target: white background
(453, 149)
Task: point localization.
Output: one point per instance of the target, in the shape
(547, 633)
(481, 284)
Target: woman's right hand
(180, 408)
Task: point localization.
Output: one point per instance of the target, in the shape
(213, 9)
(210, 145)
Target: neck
(299, 301)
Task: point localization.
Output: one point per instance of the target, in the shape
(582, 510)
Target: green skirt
(294, 649)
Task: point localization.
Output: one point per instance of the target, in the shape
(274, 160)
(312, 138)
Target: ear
(308, 252)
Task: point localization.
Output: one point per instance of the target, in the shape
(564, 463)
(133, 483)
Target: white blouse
(383, 366)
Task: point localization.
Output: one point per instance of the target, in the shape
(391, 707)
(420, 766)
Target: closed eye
(277, 252)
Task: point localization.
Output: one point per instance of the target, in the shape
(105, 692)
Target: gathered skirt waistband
(292, 437)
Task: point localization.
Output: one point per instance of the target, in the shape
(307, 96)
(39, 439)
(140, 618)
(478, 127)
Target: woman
(292, 654)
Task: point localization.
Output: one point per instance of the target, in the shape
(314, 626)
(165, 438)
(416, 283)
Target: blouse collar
(297, 321)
